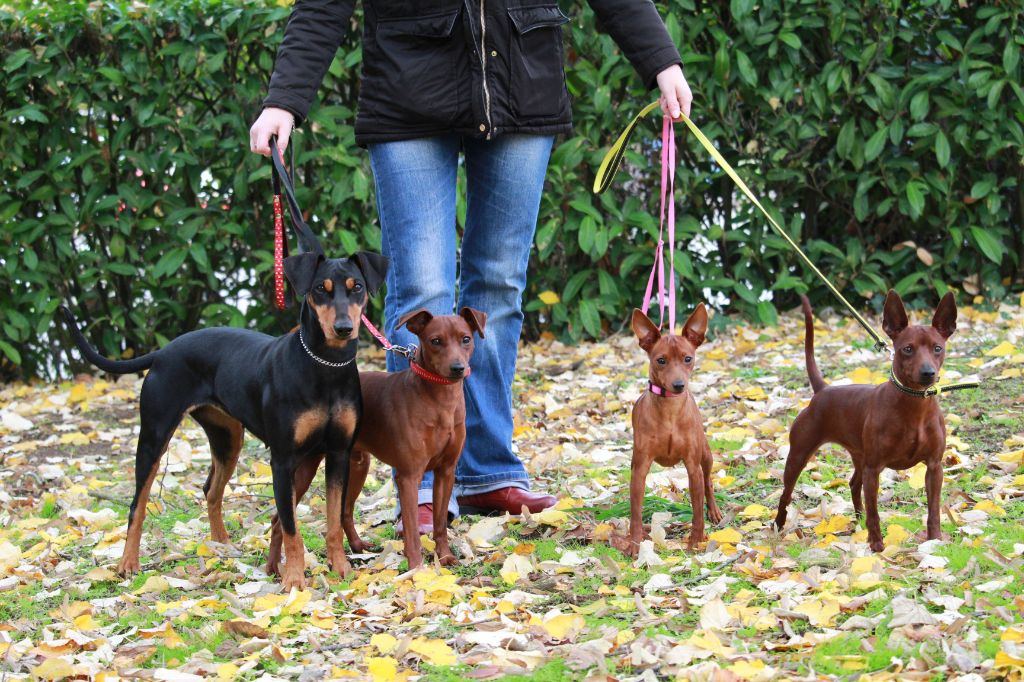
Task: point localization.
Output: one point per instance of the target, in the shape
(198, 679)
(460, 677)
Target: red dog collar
(427, 375)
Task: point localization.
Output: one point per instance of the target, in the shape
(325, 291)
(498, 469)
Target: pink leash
(409, 352)
(668, 186)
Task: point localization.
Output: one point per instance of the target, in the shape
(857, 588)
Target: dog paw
(128, 565)
(695, 541)
(924, 535)
(714, 515)
(273, 568)
(361, 547)
(293, 580)
(877, 546)
(448, 560)
(342, 567)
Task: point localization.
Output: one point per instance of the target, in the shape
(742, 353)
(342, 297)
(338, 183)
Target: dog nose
(927, 373)
(343, 328)
(678, 386)
(457, 368)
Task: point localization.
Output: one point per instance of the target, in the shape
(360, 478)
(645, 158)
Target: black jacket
(474, 67)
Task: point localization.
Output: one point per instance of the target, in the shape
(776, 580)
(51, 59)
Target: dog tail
(813, 373)
(106, 364)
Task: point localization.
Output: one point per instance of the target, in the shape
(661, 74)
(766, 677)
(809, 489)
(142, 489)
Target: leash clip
(408, 352)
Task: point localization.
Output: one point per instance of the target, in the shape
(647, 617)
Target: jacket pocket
(417, 69)
(537, 77)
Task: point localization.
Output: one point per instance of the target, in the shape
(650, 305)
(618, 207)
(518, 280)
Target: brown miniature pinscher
(414, 421)
(667, 426)
(891, 425)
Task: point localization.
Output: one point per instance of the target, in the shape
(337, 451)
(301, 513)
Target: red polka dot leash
(307, 241)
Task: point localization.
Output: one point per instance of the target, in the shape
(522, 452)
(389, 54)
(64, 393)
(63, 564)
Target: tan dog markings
(345, 420)
(308, 423)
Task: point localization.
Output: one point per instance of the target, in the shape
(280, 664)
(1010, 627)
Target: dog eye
(938, 349)
(661, 361)
(356, 288)
(688, 359)
(320, 288)
(466, 339)
(908, 349)
(435, 342)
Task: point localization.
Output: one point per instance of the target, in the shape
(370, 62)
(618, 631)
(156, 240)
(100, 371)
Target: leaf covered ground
(547, 596)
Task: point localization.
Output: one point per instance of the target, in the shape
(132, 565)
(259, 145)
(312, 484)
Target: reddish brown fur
(879, 425)
(412, 425)
(670, 430)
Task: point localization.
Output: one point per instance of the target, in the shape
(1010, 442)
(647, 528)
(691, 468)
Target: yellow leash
(613, 159)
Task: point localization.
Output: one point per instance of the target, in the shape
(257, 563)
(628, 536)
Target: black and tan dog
(298, 393)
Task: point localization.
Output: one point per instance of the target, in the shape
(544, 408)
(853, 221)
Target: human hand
(272, 121)
(675, 92)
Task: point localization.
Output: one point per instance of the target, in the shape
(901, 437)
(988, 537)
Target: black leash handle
(307, 240)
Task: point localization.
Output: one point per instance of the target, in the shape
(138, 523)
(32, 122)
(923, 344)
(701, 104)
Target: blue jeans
(415, 182)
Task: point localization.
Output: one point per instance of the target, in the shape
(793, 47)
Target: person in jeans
(483, 78)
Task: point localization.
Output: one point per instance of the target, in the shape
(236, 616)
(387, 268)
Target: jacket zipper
(483, 65)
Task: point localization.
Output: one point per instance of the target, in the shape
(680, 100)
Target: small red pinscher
(667, 426)
(415, 421)
(893, 425)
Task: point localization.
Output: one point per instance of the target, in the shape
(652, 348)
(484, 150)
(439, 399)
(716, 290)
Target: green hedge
(127, 186)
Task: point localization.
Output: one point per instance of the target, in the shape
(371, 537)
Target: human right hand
(272, 121)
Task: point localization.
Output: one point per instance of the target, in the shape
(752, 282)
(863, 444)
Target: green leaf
(941, 149)
(1011, 57)
(790, 39)
(845, 140)
(875, 144)
(741, 8)
(169, 262)
(11, 352)
(590, 317)
(17, 59)
(990, 245)
(915, 197)
(981, 188)
(919, 105)
(746, 68)
(767, 314)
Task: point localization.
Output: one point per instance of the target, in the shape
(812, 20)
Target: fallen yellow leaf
(382, 669)
(755, 511)
(54, 669)
(1002, 350)
(726, 536)
(549, 297)
(833, 524)
(384, 642)
(435, 651)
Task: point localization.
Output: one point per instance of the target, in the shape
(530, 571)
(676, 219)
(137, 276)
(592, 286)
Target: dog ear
(894, 315)
(476, 320)
(416, 321)
(300, 270)
(646, 333)
(696, 325)
(945, 316)
(373, 266)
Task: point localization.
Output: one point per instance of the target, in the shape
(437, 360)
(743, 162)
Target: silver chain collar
(325, 363)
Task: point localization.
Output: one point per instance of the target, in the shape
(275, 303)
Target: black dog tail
(813, 373)
(92, 355)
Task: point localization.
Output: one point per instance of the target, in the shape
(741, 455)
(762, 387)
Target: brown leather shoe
(425, 513)
(511, 500)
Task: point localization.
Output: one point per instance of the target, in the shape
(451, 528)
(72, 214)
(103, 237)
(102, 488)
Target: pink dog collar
(659, 391)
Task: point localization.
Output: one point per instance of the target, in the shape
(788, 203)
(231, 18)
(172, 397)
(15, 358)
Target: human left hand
(675, 92)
